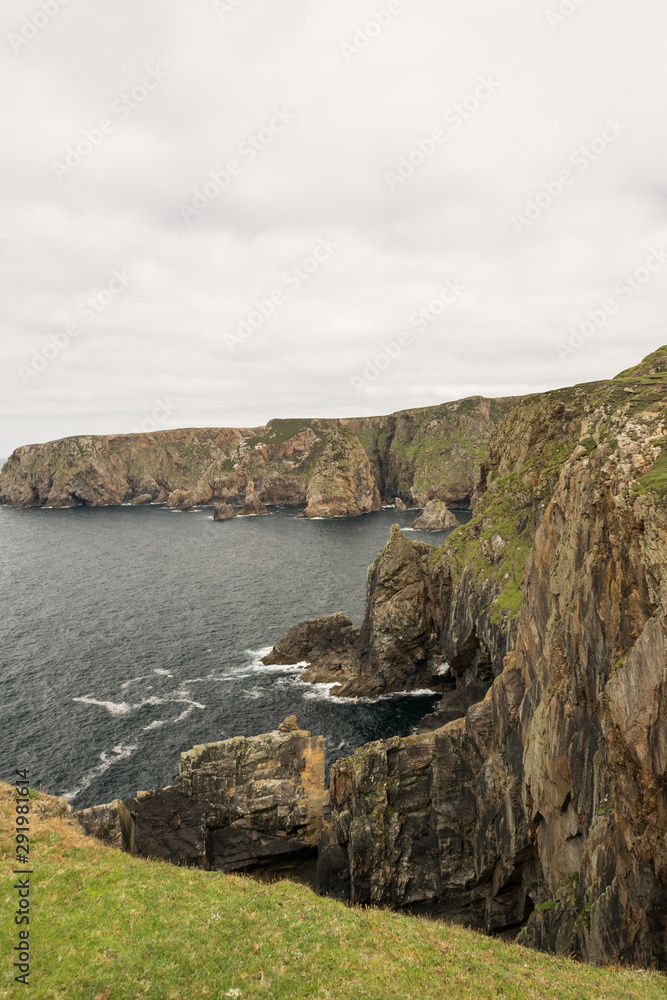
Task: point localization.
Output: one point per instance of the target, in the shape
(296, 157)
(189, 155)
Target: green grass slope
(107, 926)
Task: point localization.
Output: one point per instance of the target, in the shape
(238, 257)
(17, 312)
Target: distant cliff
(334, 466)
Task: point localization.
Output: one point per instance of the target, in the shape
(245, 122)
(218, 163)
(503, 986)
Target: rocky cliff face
(335, 466)
(343, 483)
(237, 804)
(545, 802)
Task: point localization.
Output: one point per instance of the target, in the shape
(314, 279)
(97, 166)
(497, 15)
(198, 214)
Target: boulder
(223, 512)
(181, 499)
(143, 498)
(398, 504)
(436, 517)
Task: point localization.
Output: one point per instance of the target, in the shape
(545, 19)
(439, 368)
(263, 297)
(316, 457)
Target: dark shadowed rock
(236, 804)
(110, 823)
(327, 647)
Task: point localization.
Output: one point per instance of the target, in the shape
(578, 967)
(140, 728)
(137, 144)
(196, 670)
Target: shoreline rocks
(224, 512)
(237, 804)
(435, 517)
(342, 484)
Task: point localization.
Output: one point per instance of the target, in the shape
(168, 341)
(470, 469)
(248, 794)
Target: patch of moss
(654, 481)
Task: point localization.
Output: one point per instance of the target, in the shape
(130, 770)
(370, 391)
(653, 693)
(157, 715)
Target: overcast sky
(404, 140)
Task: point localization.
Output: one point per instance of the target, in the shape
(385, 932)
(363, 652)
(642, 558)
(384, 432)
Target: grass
(110, 926)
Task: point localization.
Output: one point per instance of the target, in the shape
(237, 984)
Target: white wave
(323, 691)
(124, 708)
(158, 723)
(120, 752)
(254, 693)
(264, 651)
(134, 680)
(163, 673)
(113, 707)
(261, 668)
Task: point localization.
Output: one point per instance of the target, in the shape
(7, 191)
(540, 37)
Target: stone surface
(182, 500)
(238, 803)
(435, 517)
(398, 504)
(223, 512)
(252, 505)
(110, 823)
(343, 484)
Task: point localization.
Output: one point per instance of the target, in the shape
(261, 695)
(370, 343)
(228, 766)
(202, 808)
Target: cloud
(227, 73)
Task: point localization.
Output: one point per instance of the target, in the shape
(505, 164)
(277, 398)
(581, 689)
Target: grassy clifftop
(107, 925)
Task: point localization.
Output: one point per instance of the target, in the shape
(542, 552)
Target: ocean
(130, 634)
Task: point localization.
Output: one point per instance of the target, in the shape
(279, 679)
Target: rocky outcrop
(396, 648)
(436, 517)
(182, 500)
(398, 504)
(237, 804)
(224, 512)
(253, 505)
(110, 823)
(343, 484)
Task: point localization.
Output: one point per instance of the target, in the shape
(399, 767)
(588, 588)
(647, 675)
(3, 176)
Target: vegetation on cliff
(423, 454)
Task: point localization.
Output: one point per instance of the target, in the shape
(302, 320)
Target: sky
(213, 213)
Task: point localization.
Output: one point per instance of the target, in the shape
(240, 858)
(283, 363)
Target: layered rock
(425, 453)
(343, 484)
(436, 516)
(546, 801)
(237, 804)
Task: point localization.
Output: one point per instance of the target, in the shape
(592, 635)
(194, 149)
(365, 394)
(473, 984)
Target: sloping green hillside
(108, 926)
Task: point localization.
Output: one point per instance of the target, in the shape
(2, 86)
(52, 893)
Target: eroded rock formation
(436, 516)
(224, 512)
(237, 804)
(343, 484)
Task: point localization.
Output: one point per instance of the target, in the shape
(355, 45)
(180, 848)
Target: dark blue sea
(130, 634)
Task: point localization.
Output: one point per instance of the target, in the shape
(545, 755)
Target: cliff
(543, 804)
(237, 804)
(336, 467)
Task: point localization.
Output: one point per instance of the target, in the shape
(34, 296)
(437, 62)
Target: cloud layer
(171, 170)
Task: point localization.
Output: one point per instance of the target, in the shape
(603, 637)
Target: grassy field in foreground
(108, 926)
